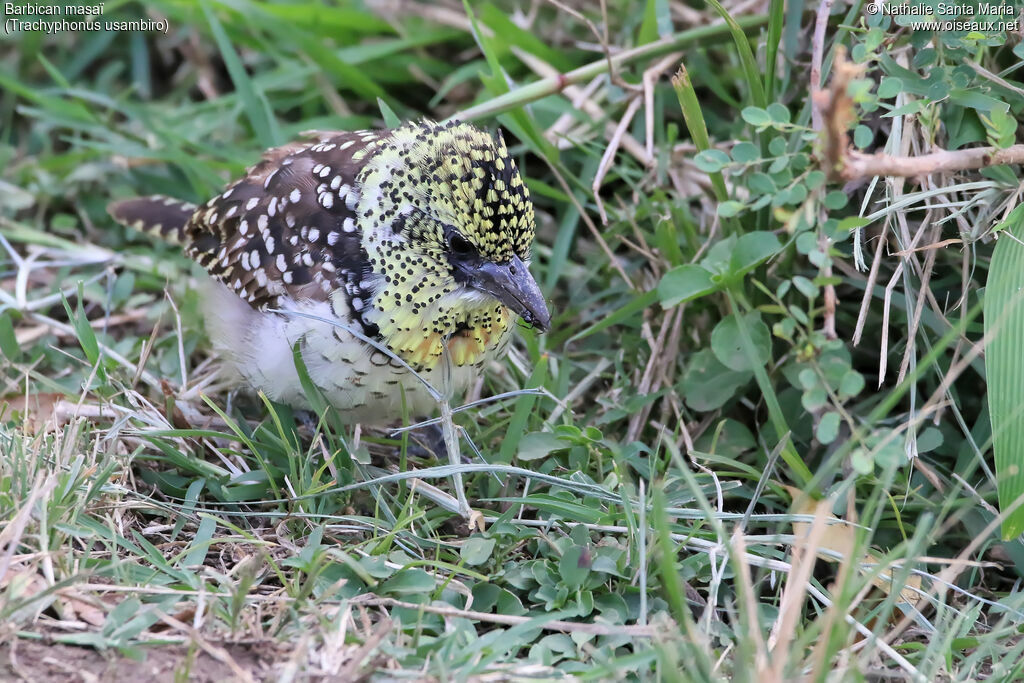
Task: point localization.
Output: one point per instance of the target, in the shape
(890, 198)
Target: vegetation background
(755, 446)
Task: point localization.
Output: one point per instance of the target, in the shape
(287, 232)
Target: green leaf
(756, 117)
(536, 445)
(408, 582)
(693, 115)
(558, 506)
(835, 200)
(814, 399)
(711, 160)
(745, 152)
(391, 120)
(729, 208)
(862, 462)
(851, 384)
(852, 223)
(574, 567)
(750, 68)
(889, 87)
(83, 330)
(649, 25)
(929, 439)
(862, 136)
(1004, 368)
(1015, 218)
(123, 613)
(828, 428)
(707, 384)
(200, 543)
(778, 112)
(975, 100)
(1000, 128)
(8, 341)
(805, 286)
(476, 550)
(912, 107)
(815, 179)
(522, 411)
(761, 183)
(751, 250)
(684, 283)
(727, 344)
(313, 394)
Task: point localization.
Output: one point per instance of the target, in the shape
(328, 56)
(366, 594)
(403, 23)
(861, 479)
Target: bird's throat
(470, 337)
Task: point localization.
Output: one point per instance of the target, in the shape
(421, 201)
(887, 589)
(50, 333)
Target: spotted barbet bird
(416, 238)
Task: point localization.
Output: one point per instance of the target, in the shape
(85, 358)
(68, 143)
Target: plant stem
(555, 84)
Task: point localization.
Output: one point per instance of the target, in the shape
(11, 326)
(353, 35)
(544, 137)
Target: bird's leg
(307, 419)
(428, 441)
(451, 443)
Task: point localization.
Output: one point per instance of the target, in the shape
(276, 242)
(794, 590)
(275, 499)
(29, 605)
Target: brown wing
(288, 228)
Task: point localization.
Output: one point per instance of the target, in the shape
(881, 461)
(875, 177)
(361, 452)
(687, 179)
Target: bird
(392, 259)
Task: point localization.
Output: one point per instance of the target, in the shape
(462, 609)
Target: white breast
(364, 385)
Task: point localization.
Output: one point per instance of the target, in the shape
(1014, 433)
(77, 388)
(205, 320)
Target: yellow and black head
(448, 226)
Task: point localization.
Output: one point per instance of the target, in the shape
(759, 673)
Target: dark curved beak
(511, 284)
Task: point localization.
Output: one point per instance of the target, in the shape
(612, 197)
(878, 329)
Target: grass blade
(1004, 366)
(750, 70)
(257, 109)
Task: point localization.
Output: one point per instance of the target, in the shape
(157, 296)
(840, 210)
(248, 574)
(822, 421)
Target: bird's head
(449, 227)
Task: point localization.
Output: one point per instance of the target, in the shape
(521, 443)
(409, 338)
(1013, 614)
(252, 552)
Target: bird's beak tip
(512, 285)
(540, 320)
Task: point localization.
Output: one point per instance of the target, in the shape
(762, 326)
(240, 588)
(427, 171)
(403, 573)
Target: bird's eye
(459, 245)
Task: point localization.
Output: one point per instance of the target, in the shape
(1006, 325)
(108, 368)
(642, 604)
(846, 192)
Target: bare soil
(36, 661)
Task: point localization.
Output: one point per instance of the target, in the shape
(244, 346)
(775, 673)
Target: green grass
(724, 395)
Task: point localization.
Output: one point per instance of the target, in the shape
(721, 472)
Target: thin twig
(859, 165)
(556, 84)
(585, 104)
(650, 77)
(609, 155)
(817, 58)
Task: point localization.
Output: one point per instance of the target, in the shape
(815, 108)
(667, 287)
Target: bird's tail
(163, 217)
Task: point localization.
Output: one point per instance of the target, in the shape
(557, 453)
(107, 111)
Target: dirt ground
(35, 661)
